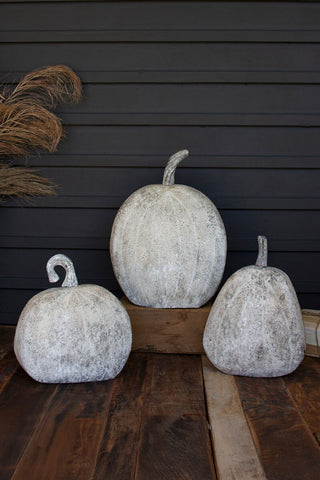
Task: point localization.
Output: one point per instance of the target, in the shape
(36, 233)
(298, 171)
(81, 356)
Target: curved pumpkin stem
(263, 251)
(174, 160)
(65, 262)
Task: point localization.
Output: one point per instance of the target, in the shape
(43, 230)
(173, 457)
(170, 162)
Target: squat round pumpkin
(168, 244)
(72, 333)
(255, 325)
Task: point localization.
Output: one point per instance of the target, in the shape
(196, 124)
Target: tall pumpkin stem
(174, 160)
(65, 262)
(263, 251)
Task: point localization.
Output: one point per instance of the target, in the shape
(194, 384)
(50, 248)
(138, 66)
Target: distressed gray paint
(168, 244)
(72, 333)
(255, 326)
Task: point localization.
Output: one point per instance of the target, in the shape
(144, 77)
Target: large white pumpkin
(168, 244)
(72, 333)
(255, 326)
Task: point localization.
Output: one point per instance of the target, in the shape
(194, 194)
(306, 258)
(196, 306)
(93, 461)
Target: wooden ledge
(167, 330)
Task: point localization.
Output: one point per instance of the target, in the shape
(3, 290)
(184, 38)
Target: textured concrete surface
(168, 245)
(255, 325)
(73, 334)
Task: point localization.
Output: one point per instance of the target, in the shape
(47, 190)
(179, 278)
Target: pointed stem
(263, 251)
(174, 160)
(65, 262)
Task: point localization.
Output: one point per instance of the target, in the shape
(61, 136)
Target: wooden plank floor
(164, 417)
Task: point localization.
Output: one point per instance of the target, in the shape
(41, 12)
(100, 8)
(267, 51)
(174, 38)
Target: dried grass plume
(27, 125)
(22, 182)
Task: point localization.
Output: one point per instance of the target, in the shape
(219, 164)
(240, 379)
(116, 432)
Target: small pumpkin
(75, 333)
(255, 326)
(168, 244)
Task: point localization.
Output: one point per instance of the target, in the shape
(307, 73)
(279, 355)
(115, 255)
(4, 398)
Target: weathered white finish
(168, 244)
(255, 325)
(72, 333)
(234, 450)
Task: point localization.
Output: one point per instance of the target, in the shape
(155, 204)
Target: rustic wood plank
(23, 404)
(304, 388)
(234, 449)
(174, 441)
(8, 366)
(311, 320)
(119, 448)
(166, 330)
(6, 339)
(65, 444)
(285, 445)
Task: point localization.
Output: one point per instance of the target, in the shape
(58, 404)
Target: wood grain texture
(286, 447)
(6, 339)
(234, 449)
(23, 405)
(120, 444)
(311, 320)
(8, 366)
(304, 388)
(66, 442)
(174, 441)
(167, 330)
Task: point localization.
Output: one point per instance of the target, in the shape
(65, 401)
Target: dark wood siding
(237, 83)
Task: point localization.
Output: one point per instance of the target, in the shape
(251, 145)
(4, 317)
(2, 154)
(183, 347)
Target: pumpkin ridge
(114, 233)
(188, 290)
(237, 291)
(180, 243)
(122, 273)
(142, 290)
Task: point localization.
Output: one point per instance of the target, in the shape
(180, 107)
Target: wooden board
(311, 320)
(23, 404)
(286, 446)
(117, 457)
(304, 388)
(235, 453)
(152, 421)
(66, 442)
(166, 330)
(174, 441)
(6, 339)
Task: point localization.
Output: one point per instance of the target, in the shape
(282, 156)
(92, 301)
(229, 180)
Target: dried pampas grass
(21, 182)
(28, 126)
(48, 86)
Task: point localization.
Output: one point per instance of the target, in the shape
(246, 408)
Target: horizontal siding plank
(169, 62)
(153, 161)
(255, 35)
(196, 105)
(159, 15)
(151, 146)
(229, 189)
(90, 228)
(200, 119)
(222, 202)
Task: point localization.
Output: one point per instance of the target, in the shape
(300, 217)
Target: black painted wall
(237, 83)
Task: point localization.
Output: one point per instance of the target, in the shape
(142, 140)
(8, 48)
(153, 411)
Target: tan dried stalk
(21, 182)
